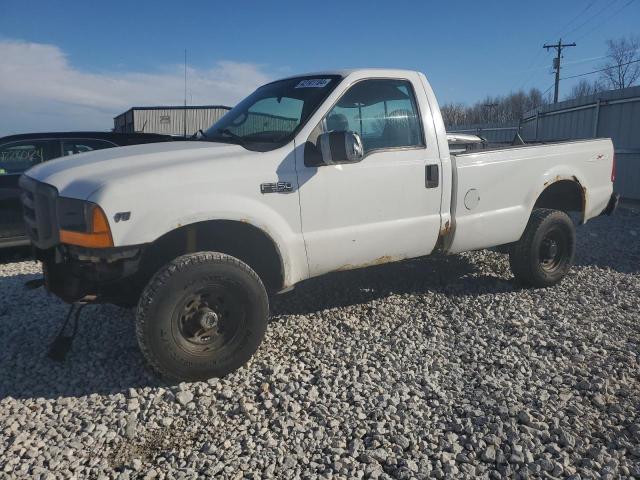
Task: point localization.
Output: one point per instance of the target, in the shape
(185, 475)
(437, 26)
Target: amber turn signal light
(99, 235)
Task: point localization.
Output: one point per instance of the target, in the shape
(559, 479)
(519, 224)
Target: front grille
(29, 214)
(39, 212)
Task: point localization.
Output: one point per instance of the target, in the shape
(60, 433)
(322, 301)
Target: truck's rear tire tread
(520, 255)
(160, 279)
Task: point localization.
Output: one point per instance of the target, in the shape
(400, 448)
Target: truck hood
(78, 176)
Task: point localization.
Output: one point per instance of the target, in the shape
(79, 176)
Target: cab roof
(351, 71)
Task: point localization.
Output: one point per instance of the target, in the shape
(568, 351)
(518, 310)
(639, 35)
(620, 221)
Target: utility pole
(556, 62)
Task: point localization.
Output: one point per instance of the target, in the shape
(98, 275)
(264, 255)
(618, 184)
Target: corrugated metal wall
(268, 122)
(614, 114)
(123, 123)
(119, 123)
(169, 120)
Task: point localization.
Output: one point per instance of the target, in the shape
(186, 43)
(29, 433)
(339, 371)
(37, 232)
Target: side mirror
(340, 147)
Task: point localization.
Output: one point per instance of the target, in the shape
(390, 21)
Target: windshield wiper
(195, 135)
(226, 131)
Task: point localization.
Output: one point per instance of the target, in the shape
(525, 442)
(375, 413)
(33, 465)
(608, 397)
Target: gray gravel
(427, 369)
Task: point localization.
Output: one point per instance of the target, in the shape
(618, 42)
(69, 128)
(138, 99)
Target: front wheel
(544, 254)
(202, 315)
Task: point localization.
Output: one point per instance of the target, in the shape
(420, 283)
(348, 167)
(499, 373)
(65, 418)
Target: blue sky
(123, 53)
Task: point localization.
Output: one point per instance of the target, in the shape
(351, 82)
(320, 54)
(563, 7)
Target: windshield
(271, 116)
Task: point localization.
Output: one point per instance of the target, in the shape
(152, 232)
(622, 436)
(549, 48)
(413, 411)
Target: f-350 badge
(277, 187)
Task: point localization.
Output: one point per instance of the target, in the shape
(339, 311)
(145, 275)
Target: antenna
(184, 115)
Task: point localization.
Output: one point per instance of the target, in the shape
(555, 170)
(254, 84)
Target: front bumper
(76, 273)
(612, 205)
(97, 275)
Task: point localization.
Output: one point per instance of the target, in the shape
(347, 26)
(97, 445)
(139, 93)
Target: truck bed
(495, 190)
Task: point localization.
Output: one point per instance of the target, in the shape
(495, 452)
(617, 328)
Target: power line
(560, 32)
(548, 89)
(606, 7)
(530, 76)
(606, 19)
(601, 70)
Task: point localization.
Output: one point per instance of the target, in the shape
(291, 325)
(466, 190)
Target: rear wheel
(202, 315)
(544, 254)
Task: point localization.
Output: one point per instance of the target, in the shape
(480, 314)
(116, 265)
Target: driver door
(379, 209)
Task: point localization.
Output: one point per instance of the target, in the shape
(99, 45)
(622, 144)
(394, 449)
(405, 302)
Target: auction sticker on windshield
(313, 83)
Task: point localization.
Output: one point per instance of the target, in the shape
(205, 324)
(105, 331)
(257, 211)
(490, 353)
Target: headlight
(83, 223)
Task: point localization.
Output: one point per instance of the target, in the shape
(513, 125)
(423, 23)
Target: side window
(382, 112)
(71, 147)
(17, 157)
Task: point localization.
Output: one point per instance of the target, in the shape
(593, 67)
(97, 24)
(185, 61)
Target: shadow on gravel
(104, 358)
(449, 275)
(611, 242)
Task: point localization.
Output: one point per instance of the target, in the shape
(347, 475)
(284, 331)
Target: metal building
(168, 120)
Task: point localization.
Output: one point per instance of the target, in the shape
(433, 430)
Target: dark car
(18, 153)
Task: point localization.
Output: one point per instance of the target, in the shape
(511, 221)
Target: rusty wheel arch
(566, 194)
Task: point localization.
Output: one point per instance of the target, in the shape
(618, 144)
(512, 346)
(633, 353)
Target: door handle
(432, 176)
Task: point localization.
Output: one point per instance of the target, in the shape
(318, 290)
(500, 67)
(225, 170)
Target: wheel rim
(553, 251)
(209, 319)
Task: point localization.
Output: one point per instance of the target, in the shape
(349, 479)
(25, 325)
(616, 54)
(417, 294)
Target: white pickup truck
(307, 175)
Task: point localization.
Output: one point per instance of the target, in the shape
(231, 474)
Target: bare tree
(584, 88)
(509, 108)
(620, 72)
(454, 113)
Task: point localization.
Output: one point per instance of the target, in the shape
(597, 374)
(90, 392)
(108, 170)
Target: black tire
(202, 315)
(544, 254)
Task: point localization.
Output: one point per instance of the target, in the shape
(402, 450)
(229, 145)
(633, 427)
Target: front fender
(149, 221)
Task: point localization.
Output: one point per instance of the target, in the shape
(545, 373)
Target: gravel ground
(431, 368)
